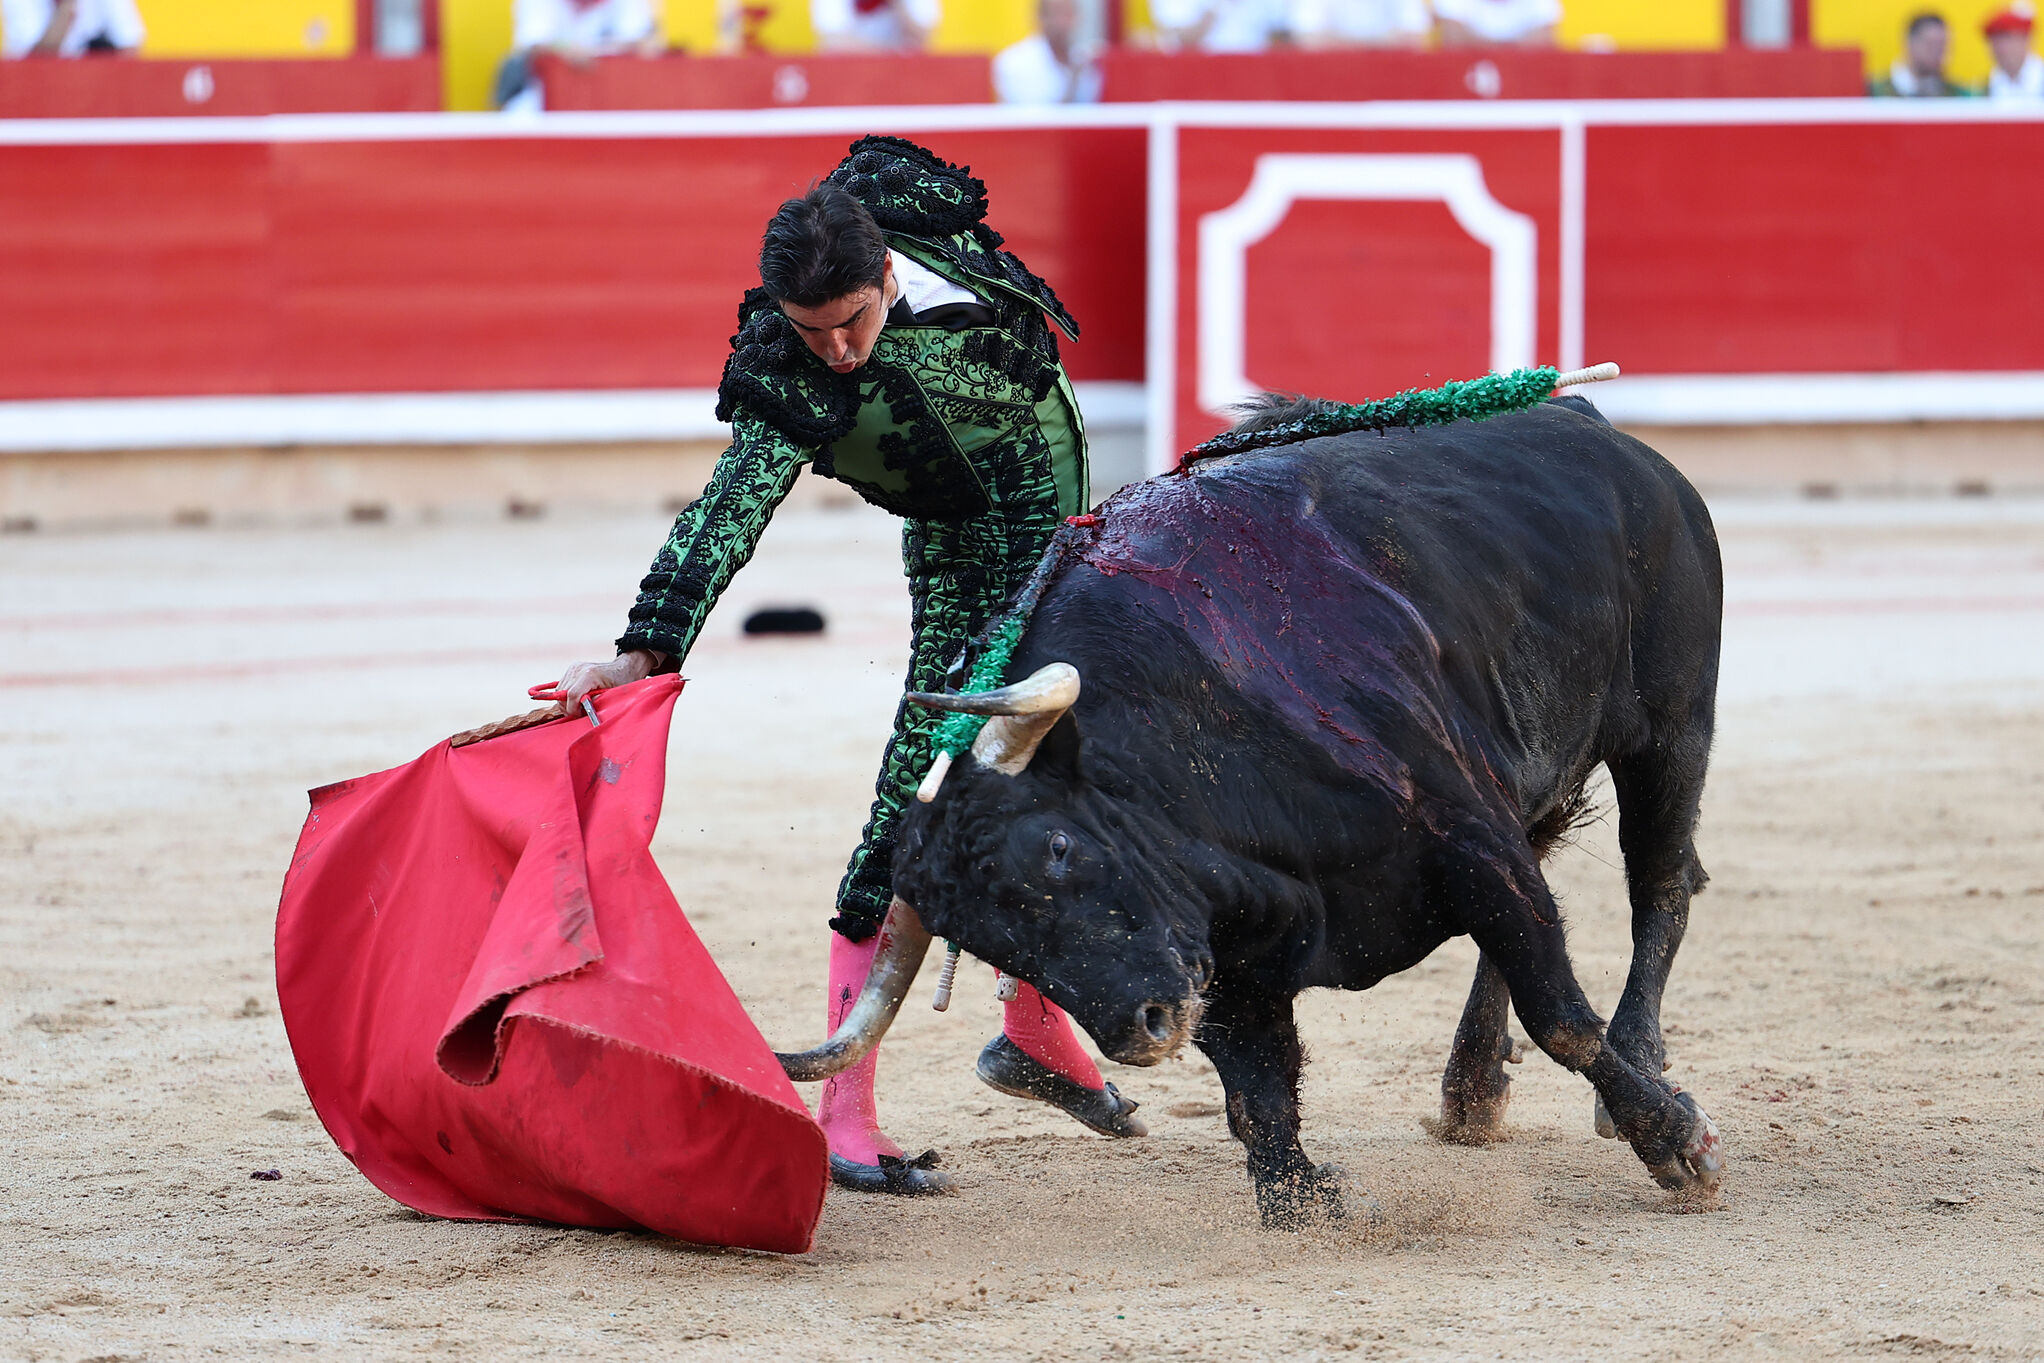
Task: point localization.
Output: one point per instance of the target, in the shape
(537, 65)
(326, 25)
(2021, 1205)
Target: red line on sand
(548, 654)
(272, 667)
(336, 610)
(348, 610)
(553, 653)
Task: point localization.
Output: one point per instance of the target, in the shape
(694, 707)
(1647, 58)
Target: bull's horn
(904, 941)
(1022, 714)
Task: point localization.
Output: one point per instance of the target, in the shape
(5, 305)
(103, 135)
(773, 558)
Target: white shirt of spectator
(114, 20)
(1361, 21)
(1500, 21)
(1239, 25)
(1030, 73)
(607, 23)
(2028, 82)
(923, 288)
(881, 28)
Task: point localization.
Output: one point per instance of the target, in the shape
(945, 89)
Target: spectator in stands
(1053, 65)
(1360, 23)
(1517, 23)
(2018, 73)
(1919, 73)
(577, 30)
(70, 28)
(874, 25)
(1219, 25)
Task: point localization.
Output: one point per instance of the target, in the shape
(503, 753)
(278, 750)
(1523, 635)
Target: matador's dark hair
(1924, 20)
(821, 246)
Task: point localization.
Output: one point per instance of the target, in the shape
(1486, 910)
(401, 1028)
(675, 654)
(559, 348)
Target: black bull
(1339, 697)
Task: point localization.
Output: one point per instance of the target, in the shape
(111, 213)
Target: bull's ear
(1059, 755)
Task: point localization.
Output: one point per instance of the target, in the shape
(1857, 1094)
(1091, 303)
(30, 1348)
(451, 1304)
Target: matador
(895, 346)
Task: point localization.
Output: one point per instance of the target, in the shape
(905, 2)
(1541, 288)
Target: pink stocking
(846, 1111)
(1044, 1033)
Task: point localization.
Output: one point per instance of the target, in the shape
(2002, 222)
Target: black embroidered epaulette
(772, 374)
(910, 191)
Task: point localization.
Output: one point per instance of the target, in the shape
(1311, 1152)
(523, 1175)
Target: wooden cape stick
(529, 719)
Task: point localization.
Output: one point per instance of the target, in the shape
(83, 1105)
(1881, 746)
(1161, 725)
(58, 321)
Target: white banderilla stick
(946, 977)
(1006, 987)
(1596, 373)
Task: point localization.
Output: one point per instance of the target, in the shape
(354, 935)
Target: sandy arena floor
(1858, 1005)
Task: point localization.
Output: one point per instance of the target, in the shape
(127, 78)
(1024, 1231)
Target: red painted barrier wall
(122, 87)
(1862, 246)
(764, 82)
(1130, 74)
(373, 256)
(506, 264)
(1358, 298)
(1846, 247)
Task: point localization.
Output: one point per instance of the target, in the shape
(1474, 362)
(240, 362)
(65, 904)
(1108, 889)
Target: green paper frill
(1459, 400)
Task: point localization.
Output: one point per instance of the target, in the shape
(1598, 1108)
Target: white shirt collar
(2028, 82)
(923, 288)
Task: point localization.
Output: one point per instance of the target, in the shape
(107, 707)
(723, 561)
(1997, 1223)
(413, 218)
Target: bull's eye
(1060, 853)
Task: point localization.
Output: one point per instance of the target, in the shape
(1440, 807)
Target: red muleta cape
(500, 1012)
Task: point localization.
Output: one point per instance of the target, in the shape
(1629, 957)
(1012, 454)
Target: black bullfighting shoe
(918, 1177)
(1005, 1066)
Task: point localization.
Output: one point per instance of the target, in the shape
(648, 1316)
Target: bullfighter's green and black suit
(963, 425)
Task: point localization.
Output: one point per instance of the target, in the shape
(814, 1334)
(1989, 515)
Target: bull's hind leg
(1474, 1089)
(1499, 899)
(1659, 790)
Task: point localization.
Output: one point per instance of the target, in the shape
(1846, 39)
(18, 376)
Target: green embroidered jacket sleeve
(713, 539)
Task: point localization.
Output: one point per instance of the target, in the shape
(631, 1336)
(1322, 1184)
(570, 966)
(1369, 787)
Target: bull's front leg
(1254, 1044)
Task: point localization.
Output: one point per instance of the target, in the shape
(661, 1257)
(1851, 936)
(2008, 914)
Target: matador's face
(842, 331)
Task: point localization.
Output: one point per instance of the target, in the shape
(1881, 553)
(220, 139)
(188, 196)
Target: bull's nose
(1158, 1022)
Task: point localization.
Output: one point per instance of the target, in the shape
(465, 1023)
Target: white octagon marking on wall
(1282, 179)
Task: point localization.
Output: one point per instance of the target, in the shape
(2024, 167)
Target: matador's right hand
(582, 678)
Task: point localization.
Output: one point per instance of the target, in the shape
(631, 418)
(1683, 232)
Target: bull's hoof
(1606, 1128)
(1473, 1101)
(1467, 1123)
(918, 1177)
(1007, 1067)
(1312, 1197)
(1697, 1165)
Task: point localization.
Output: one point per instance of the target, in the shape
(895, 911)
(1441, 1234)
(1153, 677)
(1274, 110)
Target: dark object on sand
(785, 620)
